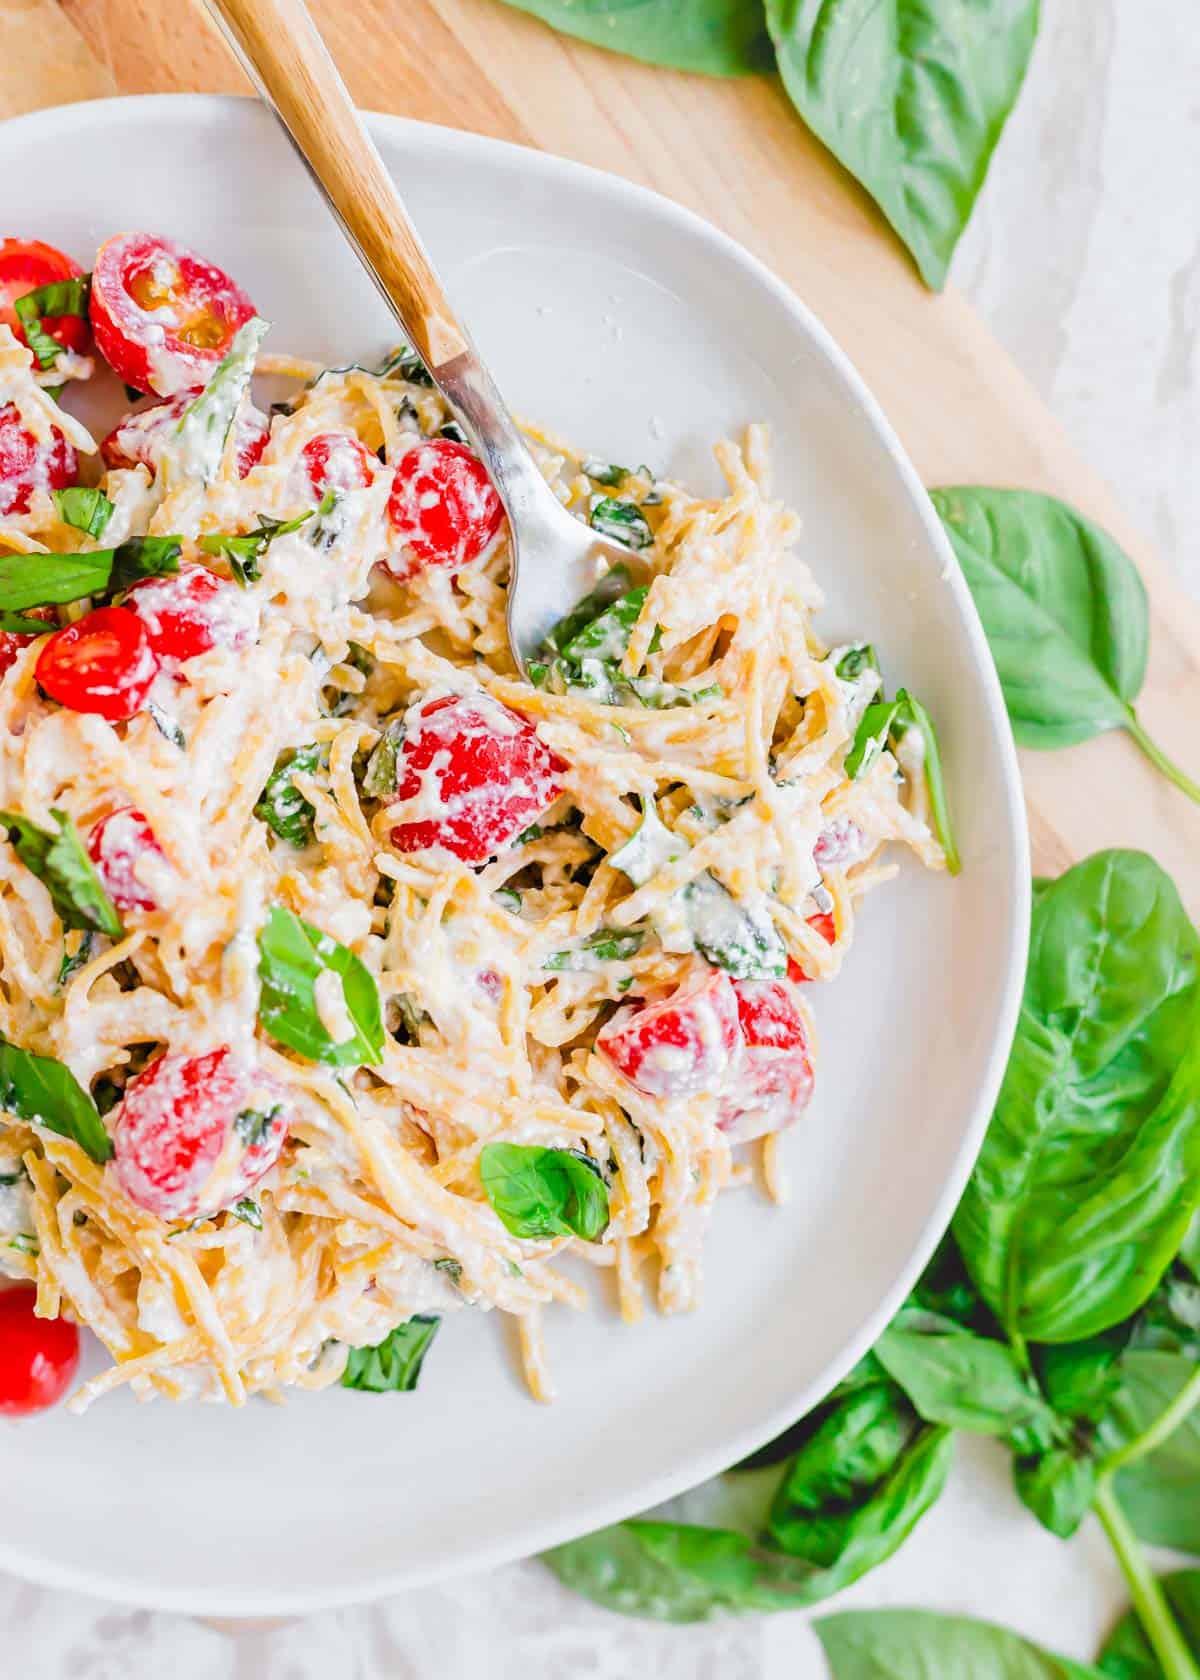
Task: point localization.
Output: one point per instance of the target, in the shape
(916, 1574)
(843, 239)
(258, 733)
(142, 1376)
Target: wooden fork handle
(282, 52)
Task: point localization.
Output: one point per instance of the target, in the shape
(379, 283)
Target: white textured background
(1084, 257)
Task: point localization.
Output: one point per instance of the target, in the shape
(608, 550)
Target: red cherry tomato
(194, 1133)
(103, 664)
(443, 508)
(482, 769)
(139, 438)
(163, 317)
(826, 926)
(774, 1078)
(337, 461)
(11, 642)
(117, 845)
(680, 1046)
(190, 611)
(27, 464)
(38, 1356)
(26, 264)
(841, 843)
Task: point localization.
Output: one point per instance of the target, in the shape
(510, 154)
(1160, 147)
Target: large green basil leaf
(1090, 1171)
(1065, 614)
(40, 1089)
(855, 1444)
(911, 96)
(923, 1645)
(1160, 1493)
(1127, 1654)
(1058, 1486)
(717, 37)
(43, 580)
(392, 1366)
(957, 1378)
(61, 863)
(292, 957)
(544, 1192)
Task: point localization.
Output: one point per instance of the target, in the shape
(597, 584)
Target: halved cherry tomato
(27, 465)
(26, 264)
(117, 845)
(38, 1356)
(162, 315)
(193, 1133)
(826, 926)
(139, 438)
(481, 768)
(680, 1046)
(103, 664)
(841, 843)
(774, 1079)
(11, 641)
(443, 508)
(192, 610)
(337, 461)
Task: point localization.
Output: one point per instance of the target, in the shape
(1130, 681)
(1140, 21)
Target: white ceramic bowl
(623, 322)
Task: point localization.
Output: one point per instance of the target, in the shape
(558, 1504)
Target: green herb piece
(292, 957)
(717, 38)
(41, 1090)
(249, 1212)
(245, 552)
(875, 729)
(1160, 1490)
(606, 636)
(650, 848)
(452, 1268)
(883, 724)
(39, 580)
(601, 946)
(1065, 614)
(168, 727)
(404, 363)
(281, 805)
(613, 585)
(855, 660)
(1127, 1653)
(544, 1192)
(392, 1366)
(623, 521)
(60, 862)
(1058, 1486)
(1086, 1182)
(922, 1645)
(957, 1378)
(88, 510)
(253, 1125)
(59, 297)
(509, 898)
(738, 937)
(911, 98)
(72, 962)
(205, 425)
(25, 1243)
(380, 778)
(603, 472)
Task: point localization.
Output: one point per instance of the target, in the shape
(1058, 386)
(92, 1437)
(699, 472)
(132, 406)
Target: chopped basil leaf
(293, 956)
(87, 509)
(649, 848)
(606, 636)
(533, 832)
(40, 580)
(25, 1243)
(412, 1016)
(253, 1125)
(244, 552)
(281, 805)
(380, 778)
(740, 938)
(60, 297)
(60, 862)
(452, 1268)
(404, 363)
(73, 961)
(205, 425)
(544, 1192)
(885, 721)
(623, 521)
(325, 531)
(41, 1090)
(249, 1212)
(509, 898)
(603, 472)
(601, 946)
(167, 725)
(392, 1366)
(15, 624)
(614, 584)
(874, 729)
(855, 660)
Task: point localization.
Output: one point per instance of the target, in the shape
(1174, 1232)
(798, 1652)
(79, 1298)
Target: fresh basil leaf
(855, 661)
(614, 584)
(1089, 1173)
(41, 1090)
(252, 1126)
(245, 552)
(957, 1378)
(650, 848)
(606, 636)
(1127, 1653)
(292, 957)
(205, 424)
(544, 1192)
(392, 1366)
(913, 715)
(740, 938)
(168, 727)
(603, 472)
(601, 946)
(404, 363)
(623, 521)
(15, 624)
(59, 297)
(249, 1212)
(911, 98)
(1081, 1379)
(62, 865)
(1170, 1320)
(450, 1267)
(1065, 614)
(603, 682)
(72, 962)
(875, 727)
(380, 778)
(281, 805)
(1160, 1493)
(1058, 1486)
(718, 38)
(87, 509)
(922, 1645)
(38, 580)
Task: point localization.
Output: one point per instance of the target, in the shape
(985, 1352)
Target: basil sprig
(60, 862)
(59, 297)
(292, 957)
(544, 1192)
(40, 580)
(245, 551)
(41, 1090)
(392, 1366)
(85, 508)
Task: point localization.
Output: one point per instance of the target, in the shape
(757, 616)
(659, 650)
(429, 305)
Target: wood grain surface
(735, 152)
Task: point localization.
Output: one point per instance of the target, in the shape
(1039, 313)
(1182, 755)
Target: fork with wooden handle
(555, 558)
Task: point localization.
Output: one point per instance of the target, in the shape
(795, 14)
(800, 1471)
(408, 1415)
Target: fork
(556, 559)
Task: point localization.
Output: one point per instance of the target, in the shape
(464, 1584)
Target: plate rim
(552, 1531)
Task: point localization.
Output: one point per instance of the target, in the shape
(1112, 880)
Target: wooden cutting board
(735, 152)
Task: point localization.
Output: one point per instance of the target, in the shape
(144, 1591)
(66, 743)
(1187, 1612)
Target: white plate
(623, 322)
